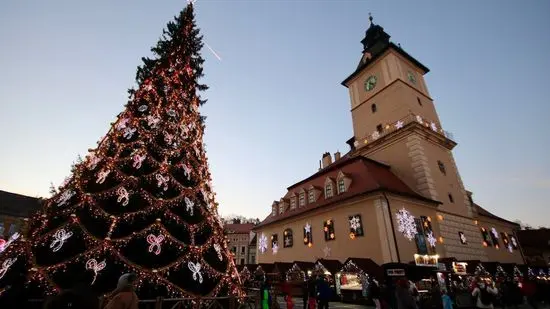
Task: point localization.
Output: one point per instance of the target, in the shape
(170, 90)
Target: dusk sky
(275, 102)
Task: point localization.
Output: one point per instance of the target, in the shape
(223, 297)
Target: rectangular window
(302, 199)
(274, 240)
(486, 238)
(341, 186)
(328, 190)
(329, 230)
(420, 237)
(243, 248)
(281, 208)
(451, 199)
(293, 203)
(288, 240)
(308, 237)
(355, 226)
(274, 211)
(514, 242)
(311, 196)
(494, 237)
(242, 261)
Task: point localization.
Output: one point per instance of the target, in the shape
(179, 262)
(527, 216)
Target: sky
(275, 102)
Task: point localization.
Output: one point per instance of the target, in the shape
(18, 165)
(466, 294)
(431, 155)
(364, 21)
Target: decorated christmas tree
(141, 201)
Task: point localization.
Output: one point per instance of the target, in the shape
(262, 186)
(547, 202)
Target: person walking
(124, 296)
(485, 295)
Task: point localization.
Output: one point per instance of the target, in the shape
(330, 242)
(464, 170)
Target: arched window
(373, 108)
(288, 240)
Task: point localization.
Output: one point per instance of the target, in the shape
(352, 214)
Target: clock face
(411, 77)
(370, 83)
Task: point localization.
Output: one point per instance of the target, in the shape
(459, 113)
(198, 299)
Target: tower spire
(370, 19)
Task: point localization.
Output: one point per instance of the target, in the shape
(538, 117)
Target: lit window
(486, 238)
(288, 241)
(355, 226)
(293, 203)
(442, 167)
(302, 199)
(308, 236)
(328, 190)
(341, 186)
(274, 240)
(328, 228)
(311, 196)
(373, 108)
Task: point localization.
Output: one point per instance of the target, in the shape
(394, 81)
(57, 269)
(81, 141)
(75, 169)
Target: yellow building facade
(397, 194)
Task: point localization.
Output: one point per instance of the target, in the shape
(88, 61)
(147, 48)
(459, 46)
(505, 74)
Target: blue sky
(275, 99)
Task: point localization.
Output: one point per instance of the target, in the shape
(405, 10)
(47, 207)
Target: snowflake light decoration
(431, 239)
(262, 243)
(463, 239)
(355, 223)
(494, 232)
(406, 224)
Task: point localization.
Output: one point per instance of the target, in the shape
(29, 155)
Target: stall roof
(333, 266)
(282, 267)
(368, 266)
(305, 266)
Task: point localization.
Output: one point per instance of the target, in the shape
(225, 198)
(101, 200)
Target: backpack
(485, 297)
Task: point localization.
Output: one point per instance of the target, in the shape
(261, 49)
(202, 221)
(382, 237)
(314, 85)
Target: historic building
(241, 242)
(397, 195)
(14, 208)
(536, 246)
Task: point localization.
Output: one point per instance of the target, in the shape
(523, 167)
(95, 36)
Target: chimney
(337, 156)
(327, 159)
(320, 166)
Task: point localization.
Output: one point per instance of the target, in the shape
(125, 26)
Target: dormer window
(293, 203)
(281, 208)
(341, 186)
(302, 199)
(274, 210)
(311, 196)
(328, 190)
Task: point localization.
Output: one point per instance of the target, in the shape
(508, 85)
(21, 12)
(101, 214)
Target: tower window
(451, 199)
(441, 167)
(418, 100)
(373, 108)
(379, 128)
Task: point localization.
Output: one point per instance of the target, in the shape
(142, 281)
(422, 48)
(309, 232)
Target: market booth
(352, 279)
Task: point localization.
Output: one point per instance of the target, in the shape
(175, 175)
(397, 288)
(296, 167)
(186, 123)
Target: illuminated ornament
(6, 266)
(406, 224)
(123, 196)
(326, 251)
(494, 232)
(65, 197)
(262, 243)
(463, 239)
(96, 267)
(171, 113)
(129, 132)
(138, 160)
(307, 228)
(93, 160)
(431, 239)
(186, 171)
(195, 268)
(434, 128)
(355, 223)
(5, 244)
(142, 108)
(510, 248)
(155, 243)
(162, 181)
(152, 121)
(275, 248)
(375, 135)
(419, 119)
(399, 124)
(189, 205)
(218, 249)
(288, 241)
(59, 239)
(102, 176)
(122, 123)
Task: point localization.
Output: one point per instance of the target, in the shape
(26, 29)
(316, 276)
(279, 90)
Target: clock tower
(395, 122)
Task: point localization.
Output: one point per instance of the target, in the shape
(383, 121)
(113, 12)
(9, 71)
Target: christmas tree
(141, 201)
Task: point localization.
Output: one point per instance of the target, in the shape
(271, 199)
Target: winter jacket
(125, 298)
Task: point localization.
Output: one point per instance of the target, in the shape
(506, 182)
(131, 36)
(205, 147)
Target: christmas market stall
(245, 274)
(352, 279)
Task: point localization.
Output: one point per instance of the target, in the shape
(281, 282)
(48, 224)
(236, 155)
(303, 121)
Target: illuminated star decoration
(494, 232)
(307, 228)
(431, 239)
(287, 241)
(327, 250)
(262, 243)
(406, 224)
(399, 124)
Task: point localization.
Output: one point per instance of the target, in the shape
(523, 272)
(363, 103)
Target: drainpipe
(392, 228)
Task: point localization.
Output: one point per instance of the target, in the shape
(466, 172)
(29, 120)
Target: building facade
(240, 241)
(397, 195)
(14, 208)
(536, 246)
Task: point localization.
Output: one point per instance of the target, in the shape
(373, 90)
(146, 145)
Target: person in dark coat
(304, 294)
(311, 293)
(403, 295)
(80, 296)
(324, 291)
(375, 293)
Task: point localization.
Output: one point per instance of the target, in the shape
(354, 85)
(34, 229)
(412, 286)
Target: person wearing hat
(124, 296)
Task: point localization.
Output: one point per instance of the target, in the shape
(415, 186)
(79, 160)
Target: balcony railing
(389, 128)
